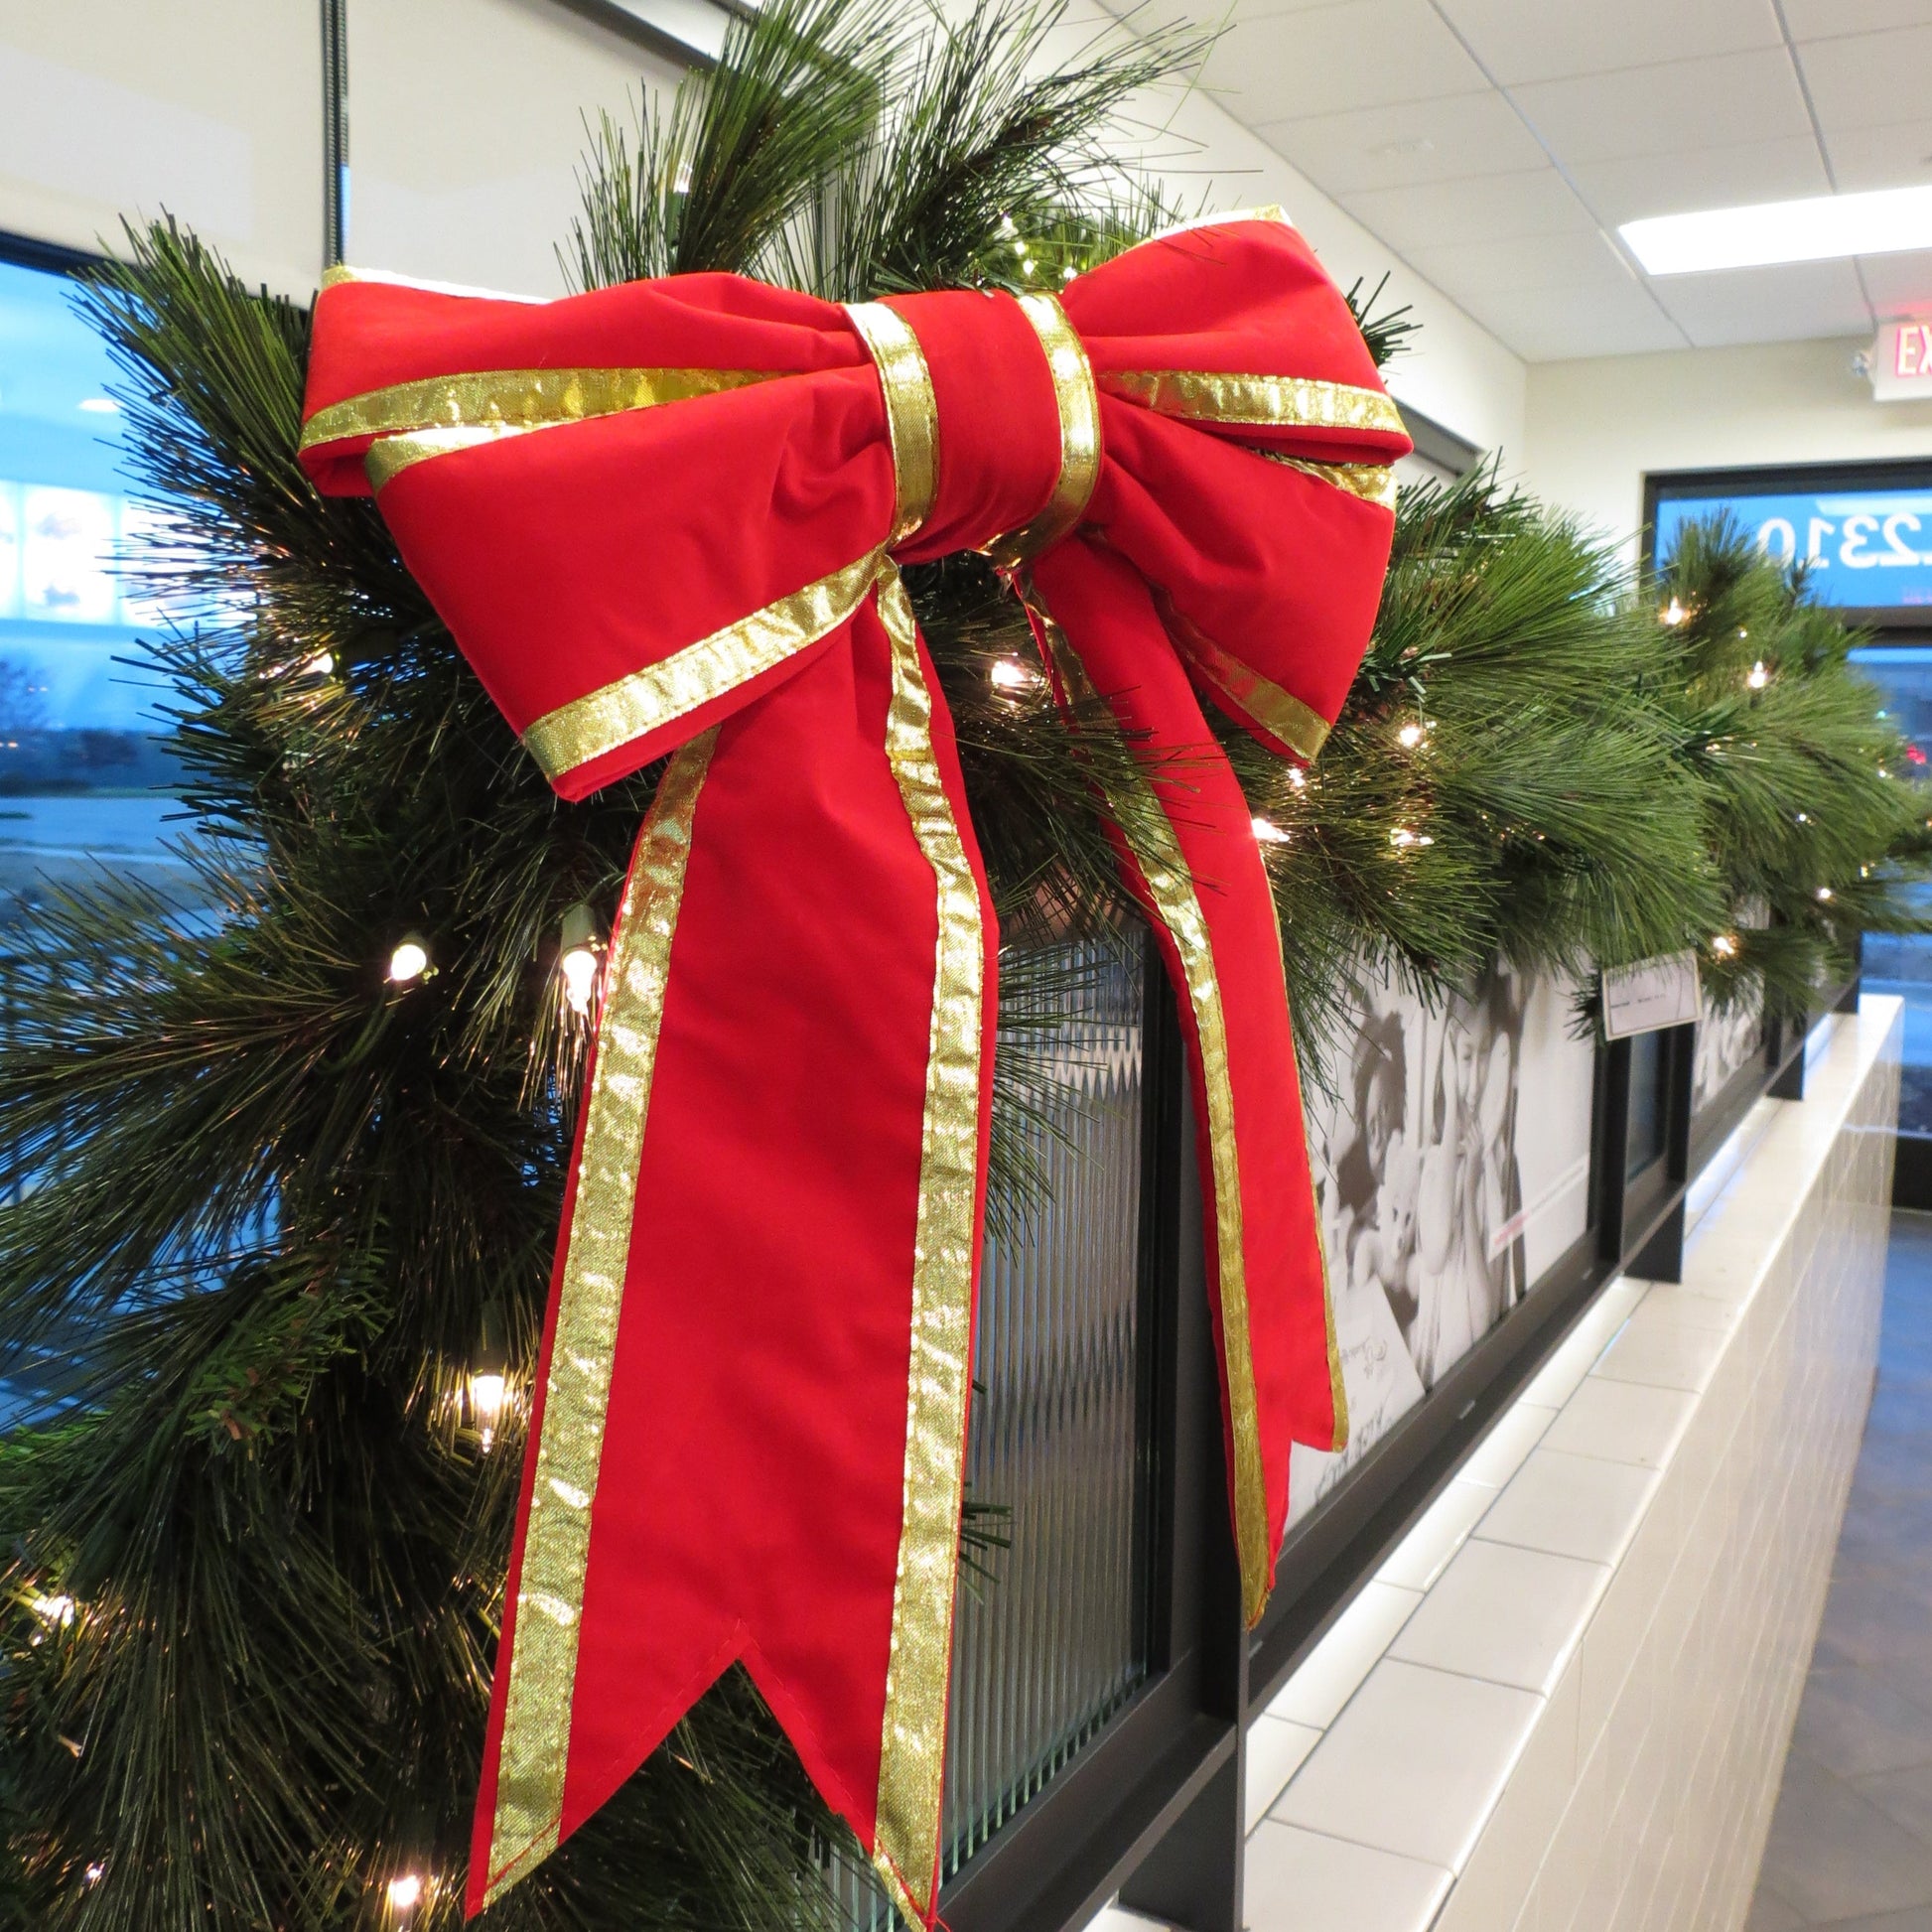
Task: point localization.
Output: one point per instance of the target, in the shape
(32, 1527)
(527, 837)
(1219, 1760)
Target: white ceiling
(1496, 145)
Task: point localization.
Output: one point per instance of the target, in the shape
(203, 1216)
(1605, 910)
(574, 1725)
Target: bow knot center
(994, 420)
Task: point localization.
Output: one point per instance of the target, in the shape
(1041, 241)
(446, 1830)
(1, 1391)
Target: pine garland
(271, 1203)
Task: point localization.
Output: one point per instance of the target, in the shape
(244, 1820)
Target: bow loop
(666, 517)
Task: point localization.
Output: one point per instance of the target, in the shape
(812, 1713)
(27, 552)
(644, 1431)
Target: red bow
(750, 1414)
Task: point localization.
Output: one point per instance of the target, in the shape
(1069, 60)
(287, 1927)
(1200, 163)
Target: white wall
(1596, 427)
(474, 179)
(206, 109)
(465, 128)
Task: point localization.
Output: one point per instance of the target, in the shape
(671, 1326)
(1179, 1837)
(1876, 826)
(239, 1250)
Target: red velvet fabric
(749, 1497)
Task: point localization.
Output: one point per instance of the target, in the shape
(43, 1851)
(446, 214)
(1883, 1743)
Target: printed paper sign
(1649, 994)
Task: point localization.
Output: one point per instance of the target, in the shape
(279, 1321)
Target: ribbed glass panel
(1049, 1644)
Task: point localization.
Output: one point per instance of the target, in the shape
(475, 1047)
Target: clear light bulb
(1673, 613)
(1009, 674)
(579, 968)
(1268, 832)
(1409, 737)
(1298, 778)
(1825, 893)
(488, 1389)
(1759, 677)
(405, 1893)
(409, 961)
(1724, 946)
(56, 1611)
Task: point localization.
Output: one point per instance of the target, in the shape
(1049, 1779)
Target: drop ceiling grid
(1496, 145)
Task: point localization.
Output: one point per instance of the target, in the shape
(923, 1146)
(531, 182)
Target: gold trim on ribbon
(911, 410)
(1244, 690)
(498, 399)
(569, 1446)
(1170, 884)
(1373, 483)
(1079, 410)
(1337, 1390)
(646, 701)
(911, 1762)
(338, 272)
(1265, 402)
(1267, 211)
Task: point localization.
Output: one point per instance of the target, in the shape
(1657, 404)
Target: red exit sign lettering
(1902, 365)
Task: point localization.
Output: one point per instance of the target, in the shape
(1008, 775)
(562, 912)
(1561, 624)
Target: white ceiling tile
(1549, 40)
(1794, 302)
(1707, 103)
(1253, 9)
(1476, 208)
(1567, 261)
(1898, 156)
(1821, 19)
(1673, 182)
(1869, 80)
(1900, 285)
(1359, 53)
(1557, 325)
(1388, 147)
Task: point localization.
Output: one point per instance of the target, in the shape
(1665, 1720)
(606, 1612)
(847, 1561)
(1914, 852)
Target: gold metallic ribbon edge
(542, 1664)
(1371, 482)
(1244, 690)
(1078, 403)
(911, 411)
(1337, 1387)
(1170, 887)
(911, 1762)
(498, 399)
(646, 700)
(1267, 211)
(1261, 401)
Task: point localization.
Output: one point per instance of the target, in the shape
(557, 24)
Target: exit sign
(1901, 364)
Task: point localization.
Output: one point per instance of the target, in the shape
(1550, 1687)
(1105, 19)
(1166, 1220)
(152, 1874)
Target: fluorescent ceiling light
(1818, 229)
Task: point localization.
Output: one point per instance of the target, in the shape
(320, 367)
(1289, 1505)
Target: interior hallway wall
(466, 131)
(1596, 427)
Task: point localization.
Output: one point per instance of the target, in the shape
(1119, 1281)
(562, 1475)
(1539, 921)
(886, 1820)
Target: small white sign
(1649, 994)
(1901, 362)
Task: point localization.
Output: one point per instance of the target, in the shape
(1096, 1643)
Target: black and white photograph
(1452, 1167)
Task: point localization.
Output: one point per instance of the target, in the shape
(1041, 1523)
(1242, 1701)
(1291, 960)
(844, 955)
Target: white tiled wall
(1564, 1704)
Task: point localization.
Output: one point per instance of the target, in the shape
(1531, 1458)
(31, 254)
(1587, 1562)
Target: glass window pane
(1904, 964)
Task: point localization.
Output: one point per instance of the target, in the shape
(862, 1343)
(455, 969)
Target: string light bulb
(1297, 779)
(1267, 832)
(1402, 838)
(1009, 674)
(56, 1611)
(95, 1873)
(1758, 677)
(487, 1391)
(405, 1894)
(1673, 613)
(1825, 895)
(582, 956)
(410, 960)
(489, 1380)
(1723, 946)
(1410, 736)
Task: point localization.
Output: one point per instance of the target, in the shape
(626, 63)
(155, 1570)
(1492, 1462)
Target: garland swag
(275, 1216)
